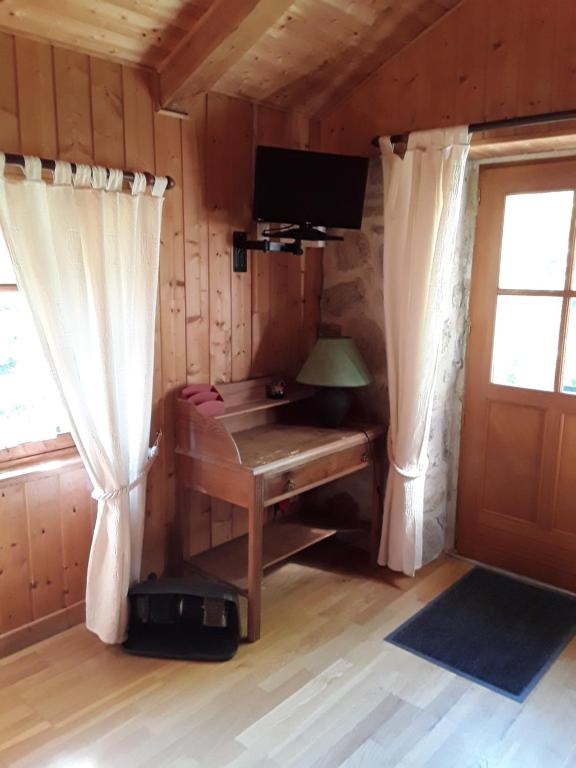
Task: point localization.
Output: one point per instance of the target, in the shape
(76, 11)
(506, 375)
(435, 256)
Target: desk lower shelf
(228, 563)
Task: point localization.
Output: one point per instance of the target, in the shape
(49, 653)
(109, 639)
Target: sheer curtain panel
(422, 197)
(86, 255)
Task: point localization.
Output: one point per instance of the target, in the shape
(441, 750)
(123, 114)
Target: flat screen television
(309, 188)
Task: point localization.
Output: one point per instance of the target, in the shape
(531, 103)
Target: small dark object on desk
(276, 390)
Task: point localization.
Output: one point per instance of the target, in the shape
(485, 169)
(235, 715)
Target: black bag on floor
(186, 618)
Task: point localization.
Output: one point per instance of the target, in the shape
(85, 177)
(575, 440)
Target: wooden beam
(219, 40)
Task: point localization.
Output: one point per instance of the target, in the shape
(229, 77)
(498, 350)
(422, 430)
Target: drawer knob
(290, 484)
(364, 458)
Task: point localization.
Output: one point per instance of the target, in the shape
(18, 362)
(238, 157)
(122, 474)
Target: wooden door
(517, 485)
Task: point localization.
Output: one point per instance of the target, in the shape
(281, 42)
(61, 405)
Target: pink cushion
(212, 408)
(193, 389)
(203, 397)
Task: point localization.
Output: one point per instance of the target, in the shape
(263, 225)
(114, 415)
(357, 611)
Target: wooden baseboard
(22, 637)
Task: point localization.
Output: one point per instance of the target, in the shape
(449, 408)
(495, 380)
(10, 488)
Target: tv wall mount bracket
(241, 244)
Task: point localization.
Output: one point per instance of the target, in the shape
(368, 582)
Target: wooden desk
(258, 453)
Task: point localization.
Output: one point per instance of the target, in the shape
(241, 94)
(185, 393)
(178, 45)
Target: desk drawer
(293, 481)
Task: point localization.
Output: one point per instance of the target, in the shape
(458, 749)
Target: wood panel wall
(485, 60)
(46, 522)
(212, 325)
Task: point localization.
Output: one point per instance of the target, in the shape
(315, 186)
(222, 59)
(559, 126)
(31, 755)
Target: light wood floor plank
(320, 690)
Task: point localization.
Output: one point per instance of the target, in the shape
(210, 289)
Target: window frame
(29, 451)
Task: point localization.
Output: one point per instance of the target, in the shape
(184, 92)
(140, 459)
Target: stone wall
(352, 305)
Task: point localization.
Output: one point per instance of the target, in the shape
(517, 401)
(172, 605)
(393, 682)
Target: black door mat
(493, 629)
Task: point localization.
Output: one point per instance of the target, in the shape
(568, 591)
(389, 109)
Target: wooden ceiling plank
(216, 43)
(178, 13)
(322, 49)
(156, 35)
(141, 32)
(76, 36)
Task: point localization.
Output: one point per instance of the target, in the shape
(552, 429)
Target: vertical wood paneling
(539, 41)
(107, 113)
(470, 71)
(196, 243)
(15, 593)
(167, 135)
(36, 105)
(138, 120)
(196, 507)
(440, 57)
(9, 135)
(229, 160)
(73, 108)
(75, 506)
(484, 60)
(172, 276)
(241, 159)
(563, 81)
(229, 148)
(43, 504)
(46, 528)
(504, 29)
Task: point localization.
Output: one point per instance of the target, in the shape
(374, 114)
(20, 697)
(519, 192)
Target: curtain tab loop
(100, 495)
(83, 175)
(62, 173)
(139, 183)
(99, 177)
(115, 180)
(159, 186)
(32, 168)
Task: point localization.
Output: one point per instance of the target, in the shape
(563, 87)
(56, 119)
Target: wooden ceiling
(319, 50)
(298, 54)
(137, 31)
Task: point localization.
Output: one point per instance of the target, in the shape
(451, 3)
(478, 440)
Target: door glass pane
(526, 341)
(535, 240)
(569, 374)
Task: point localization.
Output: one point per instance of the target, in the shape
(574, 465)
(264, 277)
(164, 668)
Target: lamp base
(333, 405)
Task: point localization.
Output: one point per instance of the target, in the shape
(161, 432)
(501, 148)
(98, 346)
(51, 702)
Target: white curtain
(86, 259)
(422, 196)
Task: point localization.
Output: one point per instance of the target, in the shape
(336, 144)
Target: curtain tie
(125, 489)
(413, 474)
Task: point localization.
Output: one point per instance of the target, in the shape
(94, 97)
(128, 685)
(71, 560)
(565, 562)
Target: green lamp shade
(335, 362)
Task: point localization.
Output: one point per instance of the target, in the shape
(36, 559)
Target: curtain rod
(490, 125)
(49, 165)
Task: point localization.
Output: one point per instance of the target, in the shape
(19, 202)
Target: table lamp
(335, 365)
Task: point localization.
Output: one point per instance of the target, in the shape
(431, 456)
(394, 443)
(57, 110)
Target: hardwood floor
(320, 690)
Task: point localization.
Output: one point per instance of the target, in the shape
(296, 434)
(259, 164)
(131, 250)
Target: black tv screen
(297, 187)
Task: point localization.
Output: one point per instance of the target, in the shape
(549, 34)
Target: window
(535, 330)
(30, 408)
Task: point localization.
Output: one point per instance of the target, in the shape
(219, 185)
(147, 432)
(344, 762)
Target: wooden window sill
(49, 463)
(35, 450)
